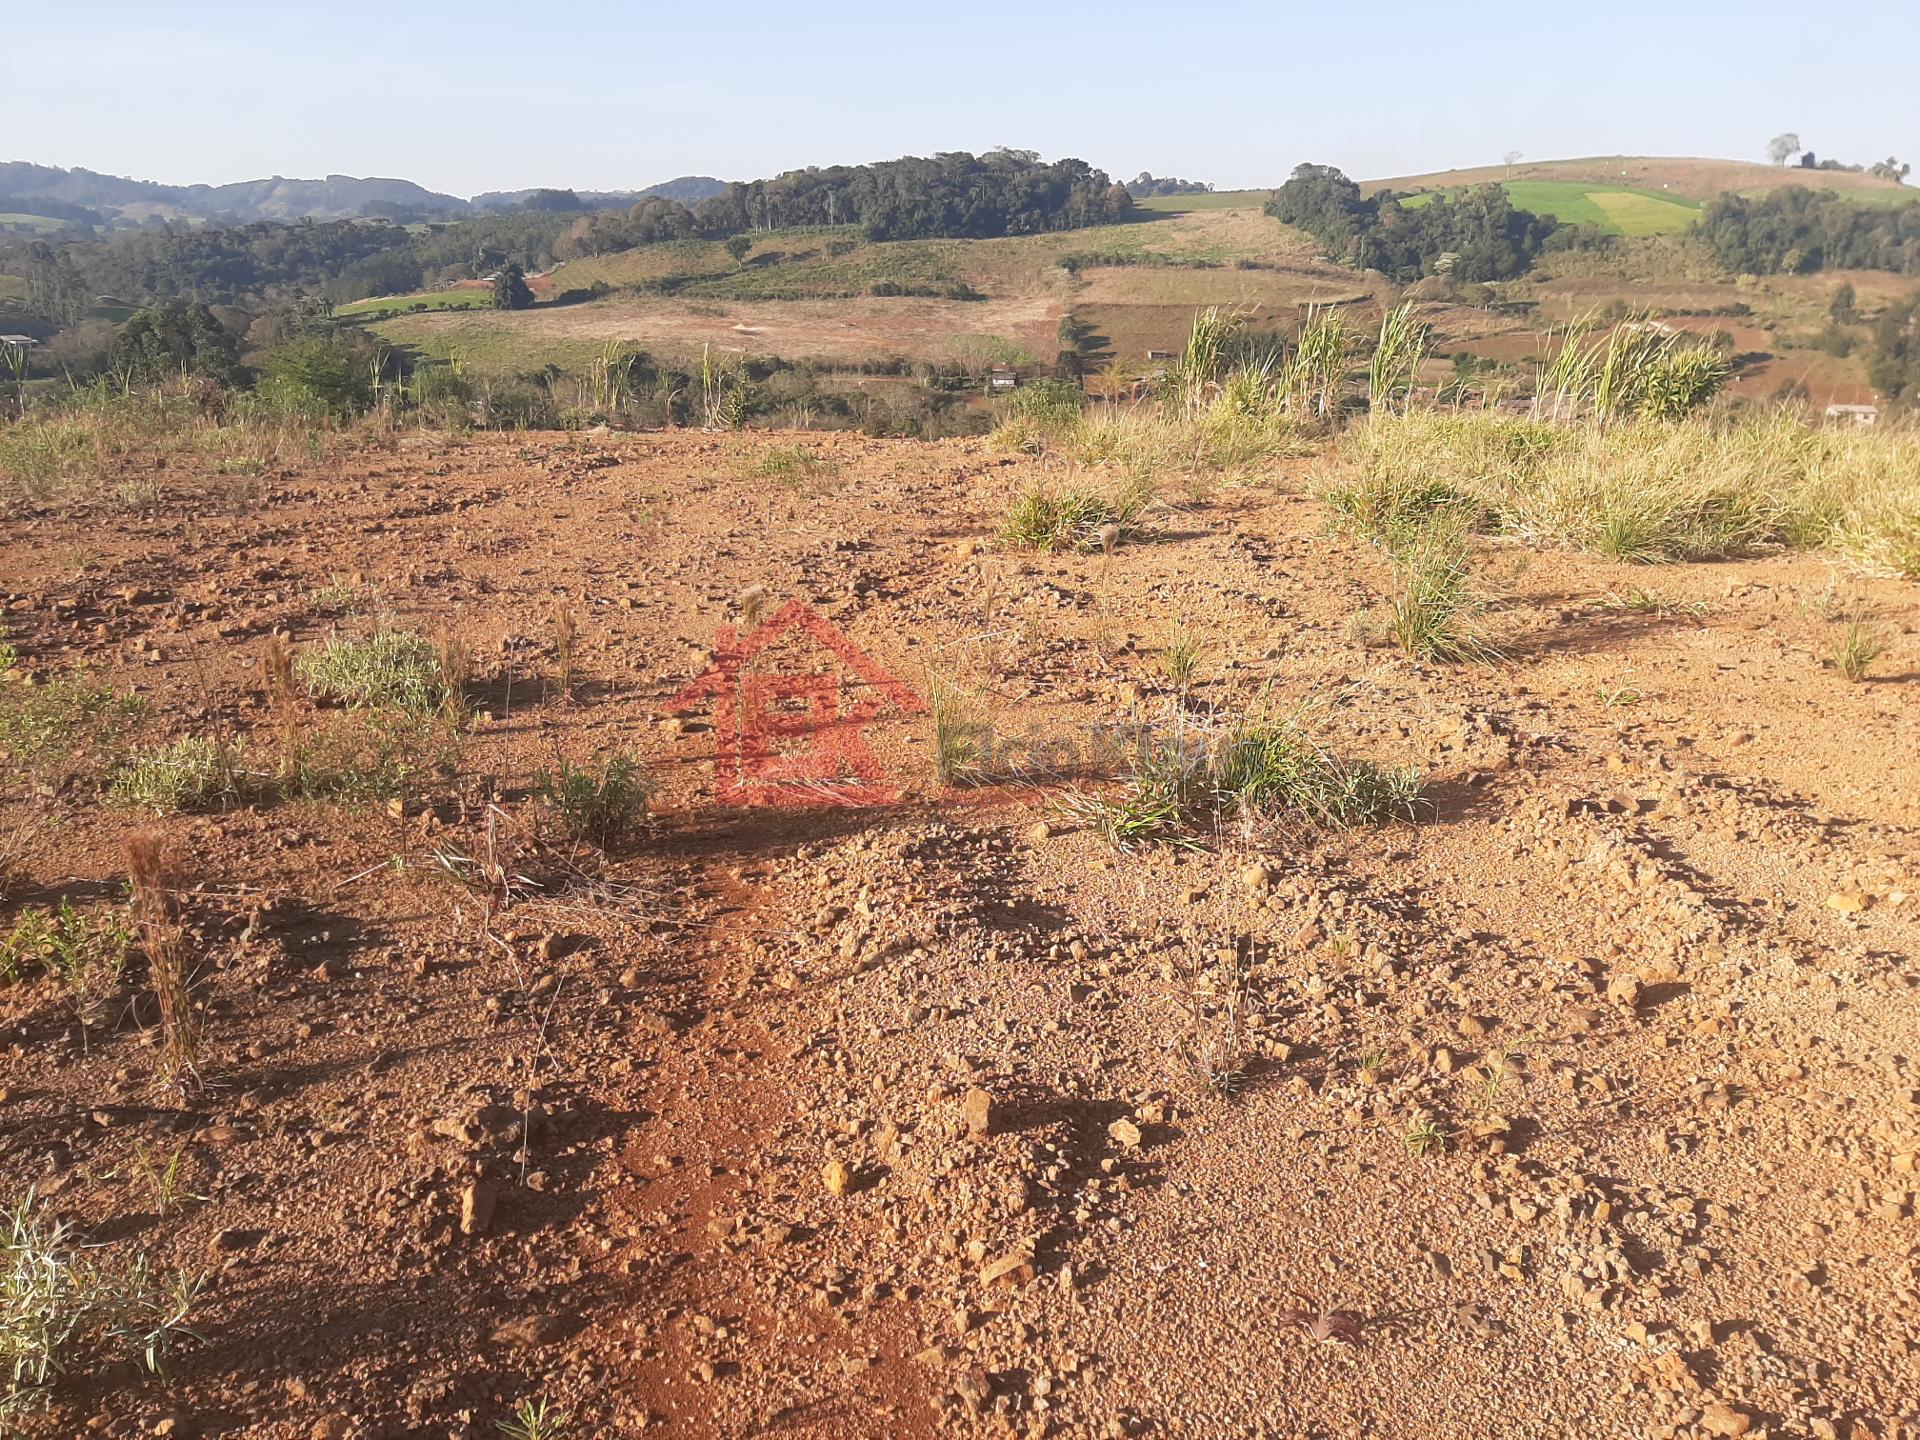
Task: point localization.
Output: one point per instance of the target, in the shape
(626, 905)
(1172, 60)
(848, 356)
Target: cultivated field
(1617, 211)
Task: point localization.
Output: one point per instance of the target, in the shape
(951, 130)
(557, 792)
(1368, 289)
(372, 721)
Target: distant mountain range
(117, 199)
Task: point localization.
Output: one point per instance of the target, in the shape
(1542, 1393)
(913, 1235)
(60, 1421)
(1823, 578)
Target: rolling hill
(275, 198)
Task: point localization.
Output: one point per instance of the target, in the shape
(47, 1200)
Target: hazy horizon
(474, 99)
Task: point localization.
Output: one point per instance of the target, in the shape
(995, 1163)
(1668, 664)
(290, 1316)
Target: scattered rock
(531, 1331)
(837, 1177)
(977, 1108)
(1724, 1420)
(477, 1201)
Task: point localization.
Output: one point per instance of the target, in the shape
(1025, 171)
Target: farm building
(1854, 414)
(1000, 379)
(17, 342)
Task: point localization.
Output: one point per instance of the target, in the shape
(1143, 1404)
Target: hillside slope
(1688, 177)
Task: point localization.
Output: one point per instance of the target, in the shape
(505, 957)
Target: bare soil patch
(884, 1122)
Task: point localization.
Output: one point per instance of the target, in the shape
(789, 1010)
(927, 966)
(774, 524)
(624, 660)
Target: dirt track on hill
(883, 1121)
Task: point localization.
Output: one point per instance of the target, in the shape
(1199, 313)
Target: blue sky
(607, 96)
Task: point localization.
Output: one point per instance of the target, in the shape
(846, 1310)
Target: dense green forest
(1004, 192)
(1794, 229)
(1476, 235)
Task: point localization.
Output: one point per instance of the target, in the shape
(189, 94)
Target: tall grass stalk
(1397, 353)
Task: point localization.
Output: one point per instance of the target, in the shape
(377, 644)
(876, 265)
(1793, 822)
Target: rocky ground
(1587, 1106)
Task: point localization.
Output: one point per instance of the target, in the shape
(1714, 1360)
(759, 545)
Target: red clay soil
(818, 1120)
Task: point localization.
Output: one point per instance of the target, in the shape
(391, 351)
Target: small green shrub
(371, 756)
(186, 774)
(318, 377)
(1262, 769)
(1051, 404)
(61, 1307)
(791, 465)
(390, 667)
(603, 804)
(1159, 798)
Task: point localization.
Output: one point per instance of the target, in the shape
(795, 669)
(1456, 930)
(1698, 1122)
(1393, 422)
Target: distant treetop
(1145, 184)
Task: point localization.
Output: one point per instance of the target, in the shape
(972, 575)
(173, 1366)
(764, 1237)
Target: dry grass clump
(1260, 769)
(1650, 491)
(1860, 644)
(1233, 399)
(77, 451)
(1435, 606)
(1636, 370)
(962, 736)
(1076, 516)
(156, 889)
(371, 756)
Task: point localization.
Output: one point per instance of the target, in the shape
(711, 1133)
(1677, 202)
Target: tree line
(949, 195)
(267, 261)
(1476, 235)
(1795, 229)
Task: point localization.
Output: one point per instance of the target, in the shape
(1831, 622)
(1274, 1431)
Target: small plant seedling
(164, 1178)
(536, 1420)
(1859, 645)
(1499, 1067)
(1427, 1137)
(1180, 658)
(1613, 696)
(564, 635)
